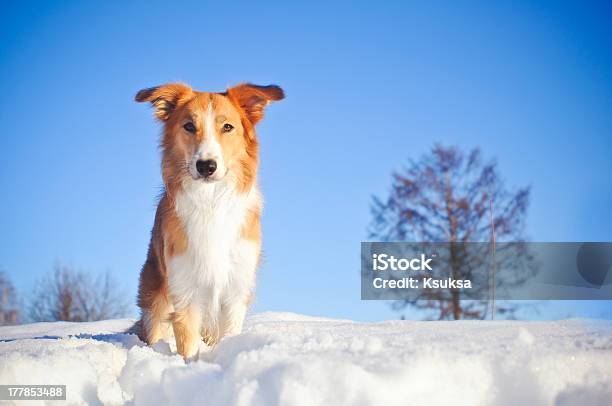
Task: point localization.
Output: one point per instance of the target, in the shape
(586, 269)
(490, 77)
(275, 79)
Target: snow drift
(288, 359)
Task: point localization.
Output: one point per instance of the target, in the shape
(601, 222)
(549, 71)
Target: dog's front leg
(233, 314)
(239, 298)
(186, 324)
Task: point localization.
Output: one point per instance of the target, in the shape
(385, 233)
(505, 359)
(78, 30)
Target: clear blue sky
(368, 86)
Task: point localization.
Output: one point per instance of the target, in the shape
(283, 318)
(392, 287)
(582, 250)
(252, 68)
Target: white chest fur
(218, 267)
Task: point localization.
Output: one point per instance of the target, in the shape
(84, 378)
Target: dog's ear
(165, 98)
(252, 99)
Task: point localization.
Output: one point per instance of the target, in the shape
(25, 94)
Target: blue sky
(368, 86)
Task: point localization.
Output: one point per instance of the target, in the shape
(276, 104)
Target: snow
(289, 359)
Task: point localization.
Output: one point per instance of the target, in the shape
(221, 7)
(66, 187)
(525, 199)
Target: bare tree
(9, 309)
(70, 295)
(452, 197)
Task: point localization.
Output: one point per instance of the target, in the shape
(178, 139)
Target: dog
(199, 276)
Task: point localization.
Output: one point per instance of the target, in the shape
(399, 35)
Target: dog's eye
(189, 127)
(227, 127)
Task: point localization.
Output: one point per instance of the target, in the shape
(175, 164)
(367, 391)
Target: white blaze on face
(210, 148)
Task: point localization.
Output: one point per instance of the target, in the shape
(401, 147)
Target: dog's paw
(193, 358)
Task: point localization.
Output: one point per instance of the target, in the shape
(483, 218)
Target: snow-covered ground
(288, 359)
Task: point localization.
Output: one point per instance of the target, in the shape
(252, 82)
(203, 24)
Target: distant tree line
(64, 294)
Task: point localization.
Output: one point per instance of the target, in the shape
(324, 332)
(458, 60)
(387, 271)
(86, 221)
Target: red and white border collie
(199, 276)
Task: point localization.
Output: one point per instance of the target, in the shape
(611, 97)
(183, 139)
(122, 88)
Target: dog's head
(208, 136)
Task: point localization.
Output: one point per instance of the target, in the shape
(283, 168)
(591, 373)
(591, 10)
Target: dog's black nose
(206, 168)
